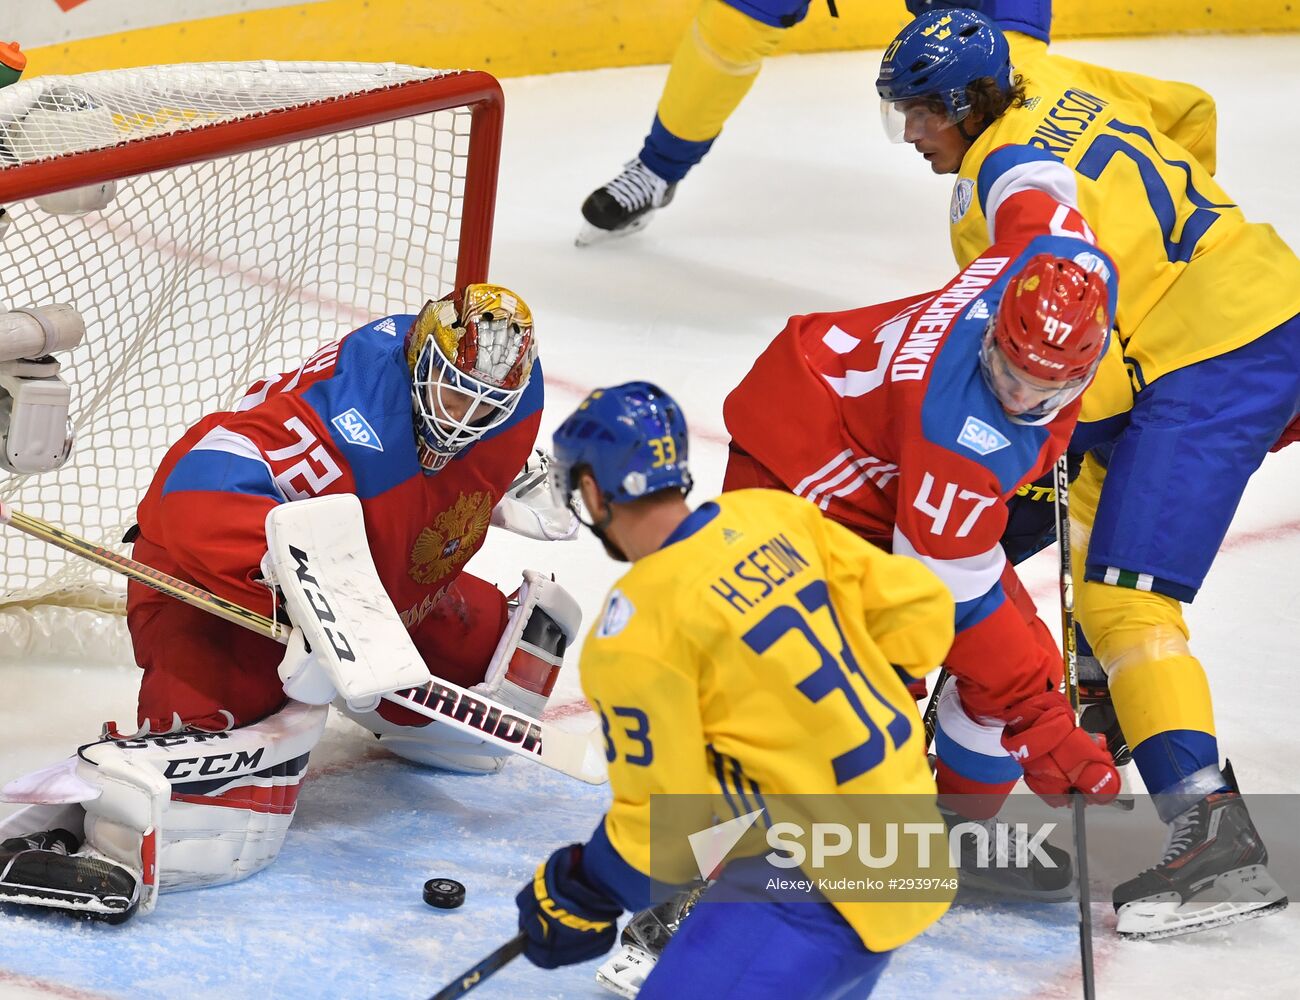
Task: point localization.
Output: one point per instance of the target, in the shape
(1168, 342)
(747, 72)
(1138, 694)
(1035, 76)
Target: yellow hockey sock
(715, 65)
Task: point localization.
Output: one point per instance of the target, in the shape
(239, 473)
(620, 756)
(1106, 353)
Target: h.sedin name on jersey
(483, 716)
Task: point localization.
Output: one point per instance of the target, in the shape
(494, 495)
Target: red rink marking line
(579, 391)
(1235, 541)
(227, 268)
(48, 988)
(569, 710)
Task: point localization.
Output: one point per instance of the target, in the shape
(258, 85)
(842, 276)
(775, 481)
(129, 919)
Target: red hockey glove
(1058, 756)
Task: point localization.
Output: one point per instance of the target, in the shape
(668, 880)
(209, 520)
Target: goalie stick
(1070, 653)
(578, 755)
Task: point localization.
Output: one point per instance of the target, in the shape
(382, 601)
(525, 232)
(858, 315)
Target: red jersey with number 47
(882, 417)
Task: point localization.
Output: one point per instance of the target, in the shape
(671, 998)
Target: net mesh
(196, 280)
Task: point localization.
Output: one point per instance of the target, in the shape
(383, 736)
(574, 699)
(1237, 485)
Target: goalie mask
(471, 356)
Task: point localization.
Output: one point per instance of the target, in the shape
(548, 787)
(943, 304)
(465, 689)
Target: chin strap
(597, 528)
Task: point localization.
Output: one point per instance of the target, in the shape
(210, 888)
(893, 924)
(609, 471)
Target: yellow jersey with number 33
(750, 656)
(1197, 279)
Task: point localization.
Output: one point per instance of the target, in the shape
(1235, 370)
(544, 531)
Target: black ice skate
(643, 940)
(624, 205)
(1212, 873)
(41, 869)
(1003, 863)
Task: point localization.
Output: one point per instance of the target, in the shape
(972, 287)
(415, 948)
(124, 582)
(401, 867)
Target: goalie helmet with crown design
(471, 356)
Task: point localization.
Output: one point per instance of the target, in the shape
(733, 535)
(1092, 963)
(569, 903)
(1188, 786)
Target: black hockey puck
(444, 893)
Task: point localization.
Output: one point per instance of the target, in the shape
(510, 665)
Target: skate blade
(109, 909)
(1244, 894)
(590, 235)
(626, 972)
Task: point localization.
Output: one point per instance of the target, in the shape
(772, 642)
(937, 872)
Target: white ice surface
(802, 206)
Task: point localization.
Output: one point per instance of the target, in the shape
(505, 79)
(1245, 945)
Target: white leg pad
(199, 809)
(522, 670)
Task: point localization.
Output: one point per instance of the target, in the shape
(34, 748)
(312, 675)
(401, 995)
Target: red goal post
(240, 216)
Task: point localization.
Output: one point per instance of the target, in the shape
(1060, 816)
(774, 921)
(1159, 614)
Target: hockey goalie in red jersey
(427, 420)
(912, 422)
(419, 426)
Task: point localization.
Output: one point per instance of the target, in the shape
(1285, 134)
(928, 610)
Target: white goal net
(251, 212)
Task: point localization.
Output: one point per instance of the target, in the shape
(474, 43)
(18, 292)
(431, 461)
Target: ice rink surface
(802, 206)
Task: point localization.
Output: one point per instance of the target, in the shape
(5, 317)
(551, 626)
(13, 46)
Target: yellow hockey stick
(171, 586)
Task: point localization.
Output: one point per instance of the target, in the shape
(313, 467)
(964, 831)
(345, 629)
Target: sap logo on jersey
(357, 430)
(1093, 262)
(618, 612)
(980, 438)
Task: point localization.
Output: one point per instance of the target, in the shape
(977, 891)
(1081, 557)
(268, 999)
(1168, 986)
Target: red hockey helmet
(1047, 338)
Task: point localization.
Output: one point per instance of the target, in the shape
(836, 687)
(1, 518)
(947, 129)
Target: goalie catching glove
(529, 509)
(1058, 757)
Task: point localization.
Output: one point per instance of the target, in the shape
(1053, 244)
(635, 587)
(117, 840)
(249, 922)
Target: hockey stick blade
(475, 975)
(579, 755)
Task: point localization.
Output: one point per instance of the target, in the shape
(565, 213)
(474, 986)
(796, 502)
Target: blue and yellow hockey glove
(567, 919)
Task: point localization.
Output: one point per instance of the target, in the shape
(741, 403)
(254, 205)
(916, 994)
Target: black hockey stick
(1070, 652)
(475, 975)
(931, 717)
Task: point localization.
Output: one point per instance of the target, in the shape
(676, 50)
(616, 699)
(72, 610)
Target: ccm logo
(222, 763)
(320, 605)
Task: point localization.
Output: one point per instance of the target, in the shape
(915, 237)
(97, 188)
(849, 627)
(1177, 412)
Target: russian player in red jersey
(427, 421)
(916, 421)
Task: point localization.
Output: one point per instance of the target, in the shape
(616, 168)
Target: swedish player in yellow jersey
(746, 653)
(1202, 378)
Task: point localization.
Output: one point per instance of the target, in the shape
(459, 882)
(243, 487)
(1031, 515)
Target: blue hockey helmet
(632, 436)
(938, 55)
